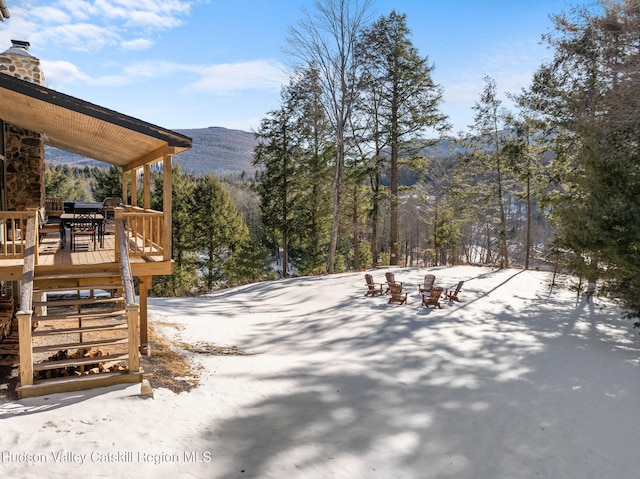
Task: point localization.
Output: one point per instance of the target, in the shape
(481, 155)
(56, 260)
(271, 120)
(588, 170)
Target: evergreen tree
(590, 90)
(185, 273)
(313, 175)
(276, 153)
(59, 183)
(219, 232)
(485, 168)
(294, 153)
(406, 99)
(108, 183)
(525, 148)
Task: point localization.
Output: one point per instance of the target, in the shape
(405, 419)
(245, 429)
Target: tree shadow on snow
(493, 387)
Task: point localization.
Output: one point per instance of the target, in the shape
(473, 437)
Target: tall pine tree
(405, 98)
(591, 92)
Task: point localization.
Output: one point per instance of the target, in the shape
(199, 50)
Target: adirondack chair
(427, 284)
(452, 294)
(391, 280)
(372, 287)
(432, 298)
(397, 296)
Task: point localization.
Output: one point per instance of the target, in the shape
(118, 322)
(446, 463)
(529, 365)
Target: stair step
(77, 383)
(75, 275)
(77, 301)
(115, 314)
(65, 363)
(85, 344)
(75, 280)
(61, 288)
(84, 329)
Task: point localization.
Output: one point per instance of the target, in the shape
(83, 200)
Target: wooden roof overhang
(80, 127)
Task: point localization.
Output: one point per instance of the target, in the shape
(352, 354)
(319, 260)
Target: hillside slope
(215, 150)
(517, 380)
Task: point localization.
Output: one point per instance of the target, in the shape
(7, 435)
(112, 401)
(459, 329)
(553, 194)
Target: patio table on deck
(66, 219)
(87, 207)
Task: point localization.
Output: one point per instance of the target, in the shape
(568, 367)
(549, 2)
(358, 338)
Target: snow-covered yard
(514, 381)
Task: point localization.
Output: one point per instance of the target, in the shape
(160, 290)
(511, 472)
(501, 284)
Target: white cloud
(150, 14)
(151, 69)
(50, 15)
(151, 20)
(137, 44)
(91, 25)
(218, 79)
(79, 9)
(79, 36)
(63, 72)
(228, 77)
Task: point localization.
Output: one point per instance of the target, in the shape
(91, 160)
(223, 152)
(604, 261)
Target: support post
(144, 286)
(118, 215)
(146, 187)
(125, 192)
(134, 187)
(26, 353)
(134, 354)
(167, 205)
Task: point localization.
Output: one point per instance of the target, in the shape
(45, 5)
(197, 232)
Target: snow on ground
(516, 381)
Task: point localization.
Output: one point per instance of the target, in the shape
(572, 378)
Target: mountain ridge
(216, 150)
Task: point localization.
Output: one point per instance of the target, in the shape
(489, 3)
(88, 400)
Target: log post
(144, 286)
(26, 353)
(118, 215)
(26, 309)
(134, 354)
(125, 192)
(134, 187)
(167, 205)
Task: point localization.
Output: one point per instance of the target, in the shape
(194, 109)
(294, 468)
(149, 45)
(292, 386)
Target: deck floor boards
(52, 253)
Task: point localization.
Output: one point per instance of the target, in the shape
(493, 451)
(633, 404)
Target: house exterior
(35, 267)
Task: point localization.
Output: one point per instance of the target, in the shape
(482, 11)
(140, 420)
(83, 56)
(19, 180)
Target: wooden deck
(51, 252)
(53, 255)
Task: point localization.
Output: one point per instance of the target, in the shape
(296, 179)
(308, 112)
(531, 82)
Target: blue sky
(200, 63)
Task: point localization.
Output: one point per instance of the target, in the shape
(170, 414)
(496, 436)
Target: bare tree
(326, 39)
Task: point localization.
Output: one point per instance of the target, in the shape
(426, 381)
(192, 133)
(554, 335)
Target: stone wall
(24, 165)
(25, 67)
(24, 149)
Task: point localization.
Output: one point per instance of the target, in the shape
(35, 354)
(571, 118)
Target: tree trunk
(337, 199)
(528, 240)
(435, 232)
(285, 255)
(374, 217)
(394, 205)
(356, 232)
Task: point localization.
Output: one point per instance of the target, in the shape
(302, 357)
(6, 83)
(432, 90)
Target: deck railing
(144, 231)
(13, 229)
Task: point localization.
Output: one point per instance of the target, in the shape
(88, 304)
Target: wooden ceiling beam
(149, 158)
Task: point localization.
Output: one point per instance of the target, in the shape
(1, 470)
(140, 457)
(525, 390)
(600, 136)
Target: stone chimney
(24, 149)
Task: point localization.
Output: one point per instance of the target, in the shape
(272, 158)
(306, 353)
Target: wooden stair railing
(133, 309)
(79, 328)
(26, 310)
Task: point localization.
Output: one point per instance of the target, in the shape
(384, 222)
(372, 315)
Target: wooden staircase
(50, 321)
(81, 336)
